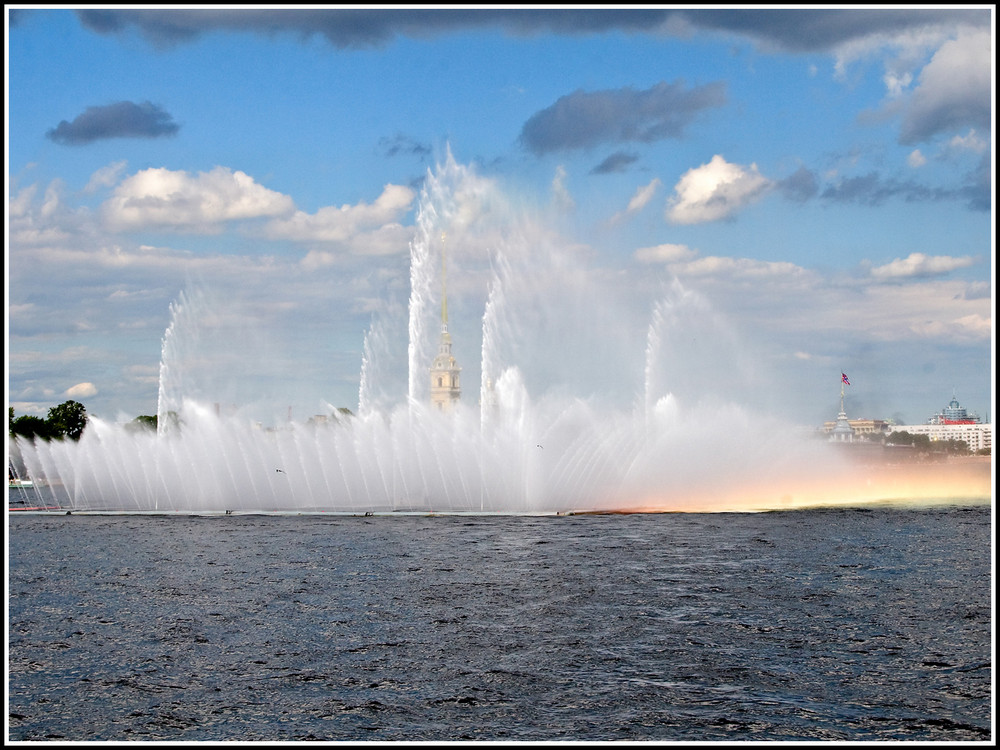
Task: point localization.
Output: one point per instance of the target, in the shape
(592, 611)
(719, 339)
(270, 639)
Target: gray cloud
(118, 120)
(798, 30)
(979, 189)
(800, 186)
(616, 162)
(403, 145)
(954, 90)
(826, 28)
(584, 119)
(357, 28)
(873, 190)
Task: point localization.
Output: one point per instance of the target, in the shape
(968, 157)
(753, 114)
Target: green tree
(903, 437)
(142, 422)
(68, 419)
(31, 427)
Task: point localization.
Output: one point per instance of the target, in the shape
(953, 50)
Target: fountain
(523, 446)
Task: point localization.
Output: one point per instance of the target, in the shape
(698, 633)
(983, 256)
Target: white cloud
(969, 142)
(919, 264)
(684, 262)
(343, 224)
(105, 176)
(31, 224)
(639, 200)
(160, 197)
(715, 191)
(665, 253)
(81, 390)
(642, 196)
(916, 159)
(739, 267)
(390, 239)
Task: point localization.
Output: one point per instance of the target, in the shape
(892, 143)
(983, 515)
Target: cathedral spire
(445, 389)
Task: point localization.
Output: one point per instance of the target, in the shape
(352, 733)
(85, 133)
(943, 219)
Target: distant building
(857, 428)
(845, 430)
(976, 435)
(840, 431)
(445, 387)
(953, 422)
(954, 413)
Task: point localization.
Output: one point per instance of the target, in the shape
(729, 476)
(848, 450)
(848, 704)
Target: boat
(23, 494)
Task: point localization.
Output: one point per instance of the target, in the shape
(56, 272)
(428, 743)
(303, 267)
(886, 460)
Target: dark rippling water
(855, 624)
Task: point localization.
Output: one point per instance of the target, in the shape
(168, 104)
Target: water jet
(515, 447)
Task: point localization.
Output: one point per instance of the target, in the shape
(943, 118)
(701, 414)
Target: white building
(976, 435)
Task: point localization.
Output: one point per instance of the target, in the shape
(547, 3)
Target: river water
(853, 624)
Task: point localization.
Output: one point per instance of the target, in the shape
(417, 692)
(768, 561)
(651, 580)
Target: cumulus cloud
(390, 239)
(118, 120)
(81, 390)
(177, 200)
(953, 92)
(35, 221)
(584, 119)
(920, 265)
(715, 191)
(342, 224)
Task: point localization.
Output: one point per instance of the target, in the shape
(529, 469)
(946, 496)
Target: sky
(766, 197)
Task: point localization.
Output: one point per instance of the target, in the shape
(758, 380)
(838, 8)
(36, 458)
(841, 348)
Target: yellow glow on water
(968, 481)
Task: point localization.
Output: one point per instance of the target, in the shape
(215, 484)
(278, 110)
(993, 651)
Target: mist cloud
(584, 119)
(118, 120)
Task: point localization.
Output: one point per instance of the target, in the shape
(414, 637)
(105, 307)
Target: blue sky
(819, 180)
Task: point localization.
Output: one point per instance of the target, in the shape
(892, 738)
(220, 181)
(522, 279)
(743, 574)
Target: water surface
(845, 624)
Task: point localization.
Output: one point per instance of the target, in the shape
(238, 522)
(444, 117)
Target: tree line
(67, 420)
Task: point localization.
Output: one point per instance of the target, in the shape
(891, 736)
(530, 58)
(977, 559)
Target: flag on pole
(843, 379)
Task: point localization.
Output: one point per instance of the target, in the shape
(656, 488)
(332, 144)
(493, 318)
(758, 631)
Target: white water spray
(520, 449)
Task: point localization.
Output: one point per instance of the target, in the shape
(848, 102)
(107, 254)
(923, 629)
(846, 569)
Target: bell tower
(445, 388)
